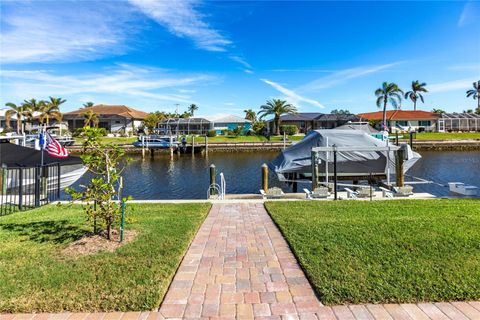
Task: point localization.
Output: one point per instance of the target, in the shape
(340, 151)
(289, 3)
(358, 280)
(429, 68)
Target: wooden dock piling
(213, 174)
(265, 177)
(400, 157)
(193, 145)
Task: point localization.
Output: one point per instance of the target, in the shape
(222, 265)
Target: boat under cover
(297, 158)
(15, 156)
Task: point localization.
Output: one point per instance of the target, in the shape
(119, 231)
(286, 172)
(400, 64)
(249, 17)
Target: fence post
(37, 186)
(58, 180)
(335, 171)
(20, 190)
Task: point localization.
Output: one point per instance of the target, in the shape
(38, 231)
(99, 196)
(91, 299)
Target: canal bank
(419, 145)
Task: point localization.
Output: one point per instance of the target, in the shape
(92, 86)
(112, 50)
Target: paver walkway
(239, 266)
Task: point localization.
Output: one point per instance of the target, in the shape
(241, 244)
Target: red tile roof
(400, 115)
(110, 110)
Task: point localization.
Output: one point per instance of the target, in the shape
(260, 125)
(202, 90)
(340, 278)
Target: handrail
(223, 186)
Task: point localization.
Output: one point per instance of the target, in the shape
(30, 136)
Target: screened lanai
(459, 122)
(181, 126)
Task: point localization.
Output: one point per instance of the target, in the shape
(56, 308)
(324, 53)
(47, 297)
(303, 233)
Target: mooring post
(396, 138)
(206, 144)
(284, 140)
(411, 139)
(152, 151)
(213, 174)
(399, 167)
(142, 139)
(314, 170)
(335, 171)
(265, 177)
(193, 144)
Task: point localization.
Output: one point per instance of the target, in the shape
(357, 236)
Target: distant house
(458, 122)
(416, 120)
(230, 122)
(201, 126)
(181, 126)
(114, 118)
(307, 121)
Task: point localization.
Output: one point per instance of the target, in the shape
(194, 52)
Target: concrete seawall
(419, 145)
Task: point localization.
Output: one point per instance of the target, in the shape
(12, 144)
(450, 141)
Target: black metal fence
(23, 188)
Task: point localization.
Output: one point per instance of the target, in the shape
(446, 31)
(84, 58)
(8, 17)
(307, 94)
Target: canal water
(187, 177)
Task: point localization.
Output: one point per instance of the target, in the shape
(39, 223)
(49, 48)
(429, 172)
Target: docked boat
(156, 142)
(15, 157)
(360, 157)
(463, 189)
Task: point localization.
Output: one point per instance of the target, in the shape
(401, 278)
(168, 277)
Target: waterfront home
(181, 126)
(201, 126)
(449, 122)
(307, 121)
(229, 123)
(114, 118)
(403, 120)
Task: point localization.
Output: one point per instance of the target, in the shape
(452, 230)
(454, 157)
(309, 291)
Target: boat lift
(400, 156)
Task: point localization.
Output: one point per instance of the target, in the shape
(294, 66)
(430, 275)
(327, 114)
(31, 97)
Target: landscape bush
(289, 129)
(212, 133)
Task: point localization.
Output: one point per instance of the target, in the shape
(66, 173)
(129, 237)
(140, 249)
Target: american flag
(54, 148)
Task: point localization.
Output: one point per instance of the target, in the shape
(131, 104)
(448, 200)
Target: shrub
(212, 133)
(289, 129)
(258, 127)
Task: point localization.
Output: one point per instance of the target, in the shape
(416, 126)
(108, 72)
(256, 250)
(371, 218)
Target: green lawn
(446, 135)
(251, 138)
(115, 140)
(36, 276)
(385, 251)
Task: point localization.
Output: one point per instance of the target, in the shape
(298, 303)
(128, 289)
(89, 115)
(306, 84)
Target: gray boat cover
(297, 158)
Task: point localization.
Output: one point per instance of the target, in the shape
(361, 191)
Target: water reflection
(186, 176)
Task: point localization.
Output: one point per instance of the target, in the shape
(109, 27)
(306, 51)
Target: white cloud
(124, 80)
(344, 75)
(470, 14)
(182, 19)
(292, 96)
(61, 31)
(461, 84)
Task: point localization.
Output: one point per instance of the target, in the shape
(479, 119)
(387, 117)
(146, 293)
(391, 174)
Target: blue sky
(229, 56)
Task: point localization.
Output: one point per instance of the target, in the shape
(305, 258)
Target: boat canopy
(297, 158)
(12, 155)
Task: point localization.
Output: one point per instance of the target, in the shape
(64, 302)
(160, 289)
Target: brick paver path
(239, 266)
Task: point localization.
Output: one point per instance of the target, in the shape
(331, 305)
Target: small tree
(104, 161)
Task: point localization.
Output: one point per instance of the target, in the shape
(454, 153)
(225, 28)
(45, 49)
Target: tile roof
(302, 116)
(110, 110)
(400, 115)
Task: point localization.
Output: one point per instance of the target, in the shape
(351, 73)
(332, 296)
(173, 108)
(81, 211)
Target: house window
(424, 123)
(117, 121)
(402, 123)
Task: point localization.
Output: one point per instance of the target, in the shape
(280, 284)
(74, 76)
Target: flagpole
(42, 146)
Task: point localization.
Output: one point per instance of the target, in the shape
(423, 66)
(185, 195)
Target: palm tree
(475, 94)
(388, 93)
(51, 109)
(20, 112)
(88, 104)
(277, 108)
(250, 115)
(415, 94)
(193, 107)
(90, 117)
(439, 111)
(32, 106)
